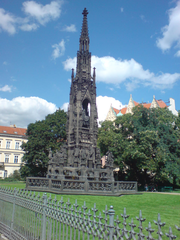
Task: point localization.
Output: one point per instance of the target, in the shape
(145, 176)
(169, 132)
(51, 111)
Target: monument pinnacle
(84, 38)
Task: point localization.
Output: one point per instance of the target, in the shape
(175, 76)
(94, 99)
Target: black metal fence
(26, 216)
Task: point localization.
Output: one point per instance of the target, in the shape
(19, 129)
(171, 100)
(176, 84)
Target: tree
(42, 136)
(145, 145)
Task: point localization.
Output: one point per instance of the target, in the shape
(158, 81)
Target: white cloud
(7, 22)
(29, 27)
(5, 63)
(24, 110)
(71, 28)
(70, 63)
(59, 49)
(171, 32)
(42, 14)
(177, 54)
(103, 105)
(6, 88)
(142, 17)
(36, 13)
(164, 80)
(130, 86)
(65, 106)
(129, 72)
(122, 9)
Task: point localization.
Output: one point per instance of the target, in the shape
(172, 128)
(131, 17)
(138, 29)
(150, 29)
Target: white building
(11, 139)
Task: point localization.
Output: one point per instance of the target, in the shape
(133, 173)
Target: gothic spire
(84, 38)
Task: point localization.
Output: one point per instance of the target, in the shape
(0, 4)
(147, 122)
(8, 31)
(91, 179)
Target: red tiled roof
(123, 110)
(116, 110)
(147, 105)
(161, 103)
(13, 130)
(136, 103)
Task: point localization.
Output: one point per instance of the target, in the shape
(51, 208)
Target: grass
(168, 205)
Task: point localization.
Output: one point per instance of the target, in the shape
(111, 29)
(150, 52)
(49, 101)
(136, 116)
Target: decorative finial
(85, 12)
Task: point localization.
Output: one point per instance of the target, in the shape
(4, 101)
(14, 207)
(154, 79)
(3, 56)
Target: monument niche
(80, 158)
(76, 168)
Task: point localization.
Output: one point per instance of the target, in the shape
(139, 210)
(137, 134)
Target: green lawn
(168, 205)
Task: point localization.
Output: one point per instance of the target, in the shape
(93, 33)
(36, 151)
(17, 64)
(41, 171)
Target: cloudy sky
(135, 47)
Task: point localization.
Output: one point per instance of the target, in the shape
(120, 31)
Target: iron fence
(27, 216)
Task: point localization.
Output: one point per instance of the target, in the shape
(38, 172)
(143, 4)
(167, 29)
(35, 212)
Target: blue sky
(135, 47)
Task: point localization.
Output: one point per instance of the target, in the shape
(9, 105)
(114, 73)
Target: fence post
(111, 213)
(43, 233)
(13, 212)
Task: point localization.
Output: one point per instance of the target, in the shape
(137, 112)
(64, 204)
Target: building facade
(11, 139)
(113, 113)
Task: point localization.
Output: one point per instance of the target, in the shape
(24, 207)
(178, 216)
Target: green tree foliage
(15, 176)
(146, 145)
(42, 135)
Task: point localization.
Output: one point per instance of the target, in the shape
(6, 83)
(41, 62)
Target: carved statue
(98, 155)
(76, 154)
(83, 155)
(85, 119)
(109, 158)
(91, 153)
(50, 154)
(64, 153)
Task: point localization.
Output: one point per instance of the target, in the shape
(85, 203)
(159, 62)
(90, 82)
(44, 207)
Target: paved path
(170, 193)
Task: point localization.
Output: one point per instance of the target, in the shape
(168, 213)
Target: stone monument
(80, 158)
(76, 168)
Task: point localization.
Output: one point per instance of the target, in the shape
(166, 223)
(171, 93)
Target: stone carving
(100, 186)
(56, 184)
(85, 119)
(83, 157)
(43, 183)
(98, 155)
(109, 159)
(73, 185)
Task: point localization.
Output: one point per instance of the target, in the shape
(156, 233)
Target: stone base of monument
(81, 187)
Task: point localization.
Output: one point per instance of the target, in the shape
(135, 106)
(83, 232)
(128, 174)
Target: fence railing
(27, 216)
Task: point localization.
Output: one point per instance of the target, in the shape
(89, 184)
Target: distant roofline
(13, 131)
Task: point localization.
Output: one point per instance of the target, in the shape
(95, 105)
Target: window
(17, 146)
(15, 159)
(6, 158)
(5, 174)
(8, 143)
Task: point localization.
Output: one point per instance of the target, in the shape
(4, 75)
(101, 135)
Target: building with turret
(113, 113)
